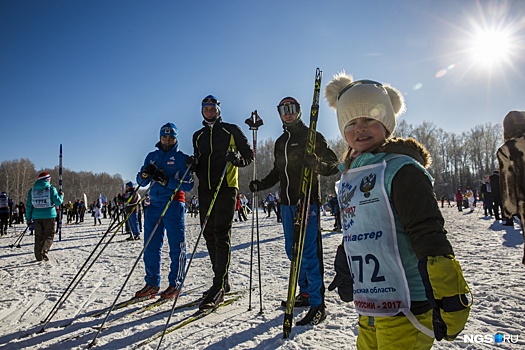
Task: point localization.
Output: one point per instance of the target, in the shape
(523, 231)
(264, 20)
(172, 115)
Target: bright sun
(490, 47)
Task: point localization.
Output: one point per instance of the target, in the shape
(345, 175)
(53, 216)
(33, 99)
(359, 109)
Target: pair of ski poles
(18, 240)
(85, 268)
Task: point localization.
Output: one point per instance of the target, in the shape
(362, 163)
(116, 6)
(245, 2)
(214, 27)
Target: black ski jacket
(210, 146)
(289, 153)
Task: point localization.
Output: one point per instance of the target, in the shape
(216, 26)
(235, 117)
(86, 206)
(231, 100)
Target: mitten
(343, 280)
(254, 185)
(447, 291)
(233, 157)
(160, 177)
(148, 171)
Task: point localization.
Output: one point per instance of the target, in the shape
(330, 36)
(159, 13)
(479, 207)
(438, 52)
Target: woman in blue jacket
(40, 209)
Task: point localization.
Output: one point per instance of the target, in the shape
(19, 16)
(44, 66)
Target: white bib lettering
(41, 198)
(370, 242)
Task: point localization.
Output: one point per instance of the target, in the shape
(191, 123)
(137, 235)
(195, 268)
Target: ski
(188, 320)
(302, 210)
(121, 305)
(149, 307)
(156, 304)
(135, 300)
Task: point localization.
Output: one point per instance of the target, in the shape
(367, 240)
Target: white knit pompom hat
(363, 99)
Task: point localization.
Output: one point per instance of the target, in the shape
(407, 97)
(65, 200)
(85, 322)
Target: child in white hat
(407, 286)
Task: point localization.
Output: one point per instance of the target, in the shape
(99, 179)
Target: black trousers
(217, 232)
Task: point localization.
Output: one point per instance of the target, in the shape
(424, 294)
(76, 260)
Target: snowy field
(489, 253)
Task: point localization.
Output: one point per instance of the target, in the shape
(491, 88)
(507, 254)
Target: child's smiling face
(364, 134)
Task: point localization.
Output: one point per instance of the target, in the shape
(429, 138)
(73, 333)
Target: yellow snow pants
(393, 333)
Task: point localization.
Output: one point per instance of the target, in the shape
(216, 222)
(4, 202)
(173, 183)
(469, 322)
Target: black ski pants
(217, 232)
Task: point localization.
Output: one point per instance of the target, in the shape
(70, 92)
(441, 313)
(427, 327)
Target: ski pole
(208, 213)
(61, 213)
(72, 285)
(95, 259)
(94, 341)
(19, 238)
(254, 122)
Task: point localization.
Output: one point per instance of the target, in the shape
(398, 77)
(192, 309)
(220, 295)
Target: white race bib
(41, 198)
(370, 242)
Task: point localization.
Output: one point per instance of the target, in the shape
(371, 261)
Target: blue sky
(101, 77)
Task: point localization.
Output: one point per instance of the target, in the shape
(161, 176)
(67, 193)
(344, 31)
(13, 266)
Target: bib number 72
(368, 259)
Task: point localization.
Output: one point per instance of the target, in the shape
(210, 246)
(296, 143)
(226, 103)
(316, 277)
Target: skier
(511, 160)
(394, 242)
(216, 146)
(469, 195)
(40, 210)
(5, 204)
(165, 167)
(270, 202)
(131, 207)
(287, 167)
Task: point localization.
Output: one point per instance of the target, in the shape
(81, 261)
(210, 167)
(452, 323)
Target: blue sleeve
(187, 181)
(55, 197)
(29, 206)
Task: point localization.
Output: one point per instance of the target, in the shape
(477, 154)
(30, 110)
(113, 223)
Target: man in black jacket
(218, 147)
(289, 156)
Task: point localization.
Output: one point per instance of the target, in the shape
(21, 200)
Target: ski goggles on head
(358, 82)
(288, 108)
(210, 101)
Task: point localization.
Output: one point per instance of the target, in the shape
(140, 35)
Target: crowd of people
(409, 265)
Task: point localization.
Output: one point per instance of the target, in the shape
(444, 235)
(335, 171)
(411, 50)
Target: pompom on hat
(514, 125)
(364, 99)
(43, 176)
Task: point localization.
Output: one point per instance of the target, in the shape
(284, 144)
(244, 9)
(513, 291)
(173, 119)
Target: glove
(148, 171)
(254, 185)
(233, 157)
(343, 280)
(160, 177)
(447, 290)
(311, 161)
(29, 222)
(192, 163)
(60, 193)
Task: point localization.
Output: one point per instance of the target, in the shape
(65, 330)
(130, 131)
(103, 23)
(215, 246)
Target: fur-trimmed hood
(410, 147)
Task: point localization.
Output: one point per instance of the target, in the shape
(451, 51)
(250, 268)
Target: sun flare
(490, 47)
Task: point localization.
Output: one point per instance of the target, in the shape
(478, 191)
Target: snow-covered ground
(490, 255)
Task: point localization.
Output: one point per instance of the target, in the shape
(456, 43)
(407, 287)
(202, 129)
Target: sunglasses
(358, 82)
(211, 101)
(288, 108)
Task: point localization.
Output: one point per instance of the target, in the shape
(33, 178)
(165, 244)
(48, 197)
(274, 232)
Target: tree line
(18, 176)
(458, 160)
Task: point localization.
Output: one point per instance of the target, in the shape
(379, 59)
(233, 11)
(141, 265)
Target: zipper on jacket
(286, 168)
(209, 157)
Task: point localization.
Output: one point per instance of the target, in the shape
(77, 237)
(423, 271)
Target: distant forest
(458, 160)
